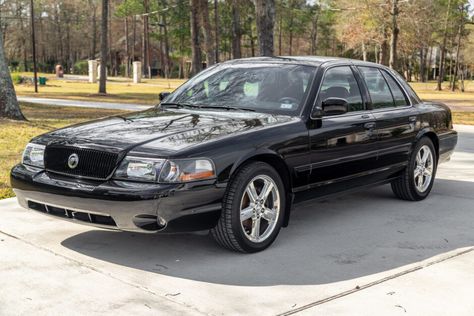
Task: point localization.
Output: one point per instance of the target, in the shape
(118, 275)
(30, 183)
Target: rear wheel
(417, 179)
(252, 209)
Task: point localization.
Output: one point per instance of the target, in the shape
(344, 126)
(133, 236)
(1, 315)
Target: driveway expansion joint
(376, 282)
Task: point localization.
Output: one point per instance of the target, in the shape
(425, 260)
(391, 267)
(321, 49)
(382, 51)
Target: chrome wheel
(423, 172)
(260, 208)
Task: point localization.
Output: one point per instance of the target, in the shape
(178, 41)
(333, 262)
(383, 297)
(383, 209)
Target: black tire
(404, 187)
(229, 232)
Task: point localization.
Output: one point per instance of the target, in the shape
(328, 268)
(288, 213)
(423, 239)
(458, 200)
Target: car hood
(155, 129)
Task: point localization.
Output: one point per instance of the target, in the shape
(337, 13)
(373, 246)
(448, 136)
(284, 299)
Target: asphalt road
(340, 256)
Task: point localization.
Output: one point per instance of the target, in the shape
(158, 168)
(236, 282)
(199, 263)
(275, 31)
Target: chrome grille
(93, 164)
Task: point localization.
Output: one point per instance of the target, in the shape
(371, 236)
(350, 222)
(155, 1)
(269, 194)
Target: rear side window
(398, 95)
(378, 88)
(411, 93)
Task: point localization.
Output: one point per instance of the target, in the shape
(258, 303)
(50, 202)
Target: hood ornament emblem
(73, 161)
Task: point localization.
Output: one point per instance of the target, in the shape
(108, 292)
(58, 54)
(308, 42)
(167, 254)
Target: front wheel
(252, 209)
(417, 179)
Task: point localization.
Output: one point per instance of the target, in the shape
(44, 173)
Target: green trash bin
(42, 81)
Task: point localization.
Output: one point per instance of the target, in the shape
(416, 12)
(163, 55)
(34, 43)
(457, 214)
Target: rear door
(396, 118)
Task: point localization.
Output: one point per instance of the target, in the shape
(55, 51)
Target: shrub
(17, 79)
(81, 67)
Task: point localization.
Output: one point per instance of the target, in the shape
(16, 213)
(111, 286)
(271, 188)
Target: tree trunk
(166, 53)
(146, 42)
(364, 52)
(134, 38)
(23, 38)
(236, 32)
(94, 30)
(290, 30)
(196, 62)
(207, 32)
(280, 33)
(443, 49)
(127, 50)
(216, 30)
(384, 48)
(451, 72)
(104, 47)
(265, 12)
(421, 76)
(428, 62)
(314, 32)
(182, 65)
(9, 107)
(458, 48)
(394, 36)
(252, 41)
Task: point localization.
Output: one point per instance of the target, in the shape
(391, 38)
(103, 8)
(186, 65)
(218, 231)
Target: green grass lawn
(118, 89)
(42, 118)
(427, 91)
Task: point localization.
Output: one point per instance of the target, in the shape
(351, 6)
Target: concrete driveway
(362, 254)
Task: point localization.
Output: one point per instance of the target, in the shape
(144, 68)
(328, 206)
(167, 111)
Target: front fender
(250, 155)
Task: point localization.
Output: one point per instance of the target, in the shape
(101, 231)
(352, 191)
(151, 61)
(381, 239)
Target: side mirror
(335, 106)
(163, 95)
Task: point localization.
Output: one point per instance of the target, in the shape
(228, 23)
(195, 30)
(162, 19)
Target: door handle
(365, 116)
(412, 119)
(369, 126)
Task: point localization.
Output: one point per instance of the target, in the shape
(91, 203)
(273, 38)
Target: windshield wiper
(180, 105)
(196, 106)
(226, 107)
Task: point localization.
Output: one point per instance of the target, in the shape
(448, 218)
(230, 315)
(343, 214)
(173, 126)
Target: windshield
(268, 88)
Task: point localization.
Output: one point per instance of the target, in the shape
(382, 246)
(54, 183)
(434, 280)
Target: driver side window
(339, 82)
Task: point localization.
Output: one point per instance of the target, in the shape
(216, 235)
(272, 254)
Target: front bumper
(120, 205)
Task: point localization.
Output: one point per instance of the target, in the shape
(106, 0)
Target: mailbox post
(92, 71)
(137, 72)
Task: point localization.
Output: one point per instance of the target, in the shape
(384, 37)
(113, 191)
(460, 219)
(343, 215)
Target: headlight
(34, 155)
(165, 171)
(187, 170)
(138, 168)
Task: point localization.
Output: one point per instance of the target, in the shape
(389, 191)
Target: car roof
(304, 60)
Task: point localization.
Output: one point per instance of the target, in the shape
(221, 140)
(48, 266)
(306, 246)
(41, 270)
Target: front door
(342, 146)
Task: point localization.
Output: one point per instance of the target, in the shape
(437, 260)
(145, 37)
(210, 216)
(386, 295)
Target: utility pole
(33, 45)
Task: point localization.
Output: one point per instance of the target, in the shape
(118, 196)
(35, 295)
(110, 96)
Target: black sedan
(234, 148)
